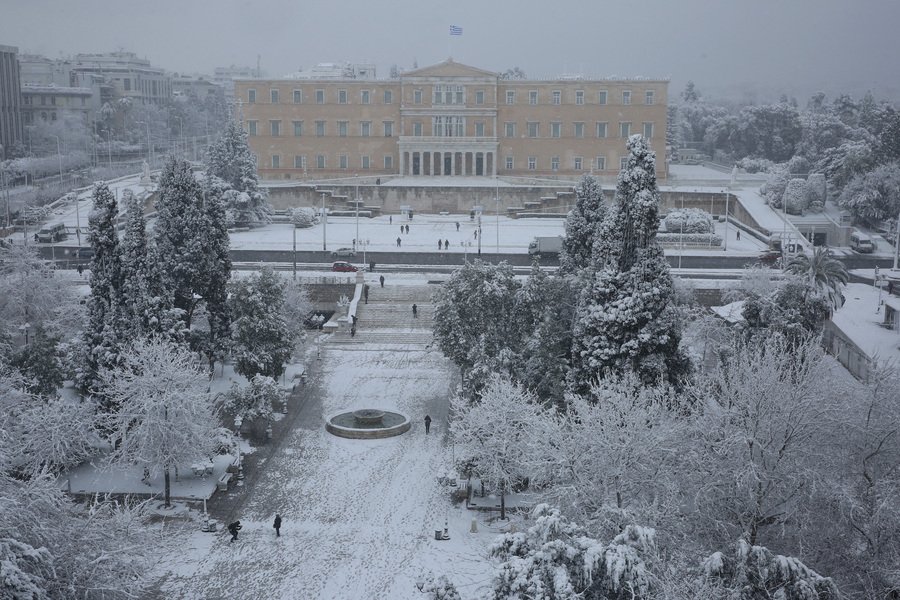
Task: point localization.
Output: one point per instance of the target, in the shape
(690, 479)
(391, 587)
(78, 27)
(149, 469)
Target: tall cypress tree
(583, 225)
(217, 272)
(103, 337)
(625, 320)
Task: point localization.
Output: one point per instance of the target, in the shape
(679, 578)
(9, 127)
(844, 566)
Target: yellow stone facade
(449, 119)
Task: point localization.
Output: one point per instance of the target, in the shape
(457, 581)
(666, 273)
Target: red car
(343, 267)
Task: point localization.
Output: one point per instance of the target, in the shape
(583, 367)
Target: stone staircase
(388, 320)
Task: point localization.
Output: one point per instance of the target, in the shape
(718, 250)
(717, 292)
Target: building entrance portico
(440, 157)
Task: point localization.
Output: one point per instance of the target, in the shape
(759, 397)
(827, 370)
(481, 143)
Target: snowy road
(359, 516)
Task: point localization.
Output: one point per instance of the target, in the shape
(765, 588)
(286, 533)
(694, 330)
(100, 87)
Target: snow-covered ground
(359, 515)
(861, 316)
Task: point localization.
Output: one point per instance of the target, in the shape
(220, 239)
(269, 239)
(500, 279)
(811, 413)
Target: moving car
(343, 252)
(861, 243)
(343, 267)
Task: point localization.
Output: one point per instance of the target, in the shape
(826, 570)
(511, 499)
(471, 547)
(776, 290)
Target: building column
(402, 157)
(453, 163)
(440, 163)
(493, 164)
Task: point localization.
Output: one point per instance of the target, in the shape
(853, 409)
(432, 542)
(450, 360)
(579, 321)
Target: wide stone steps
(401, 293)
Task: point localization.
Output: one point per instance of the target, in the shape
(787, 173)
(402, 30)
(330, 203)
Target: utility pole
(295, 251)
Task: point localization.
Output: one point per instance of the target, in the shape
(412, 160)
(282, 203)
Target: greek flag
(455, 30)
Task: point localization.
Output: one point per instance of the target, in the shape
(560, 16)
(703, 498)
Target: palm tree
(826, 274)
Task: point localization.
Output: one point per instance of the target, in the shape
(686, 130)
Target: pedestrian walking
(427, 424)
(440, 245)
(233, 530)
(457, 225)
(738, 235)
(80, 269)
(366, 292)
(353, 330)
(277, 525)
(446, 244)
(476, 234)
(407, 229)
(381, 280)
(401, 230)
(398, 242)
(390, 220)
(415, 312)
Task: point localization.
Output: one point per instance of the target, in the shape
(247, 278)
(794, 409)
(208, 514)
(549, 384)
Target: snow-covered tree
(795, 196)
(230, 161)
(296, 308)
(793, 309)
(40, 364)
(753, 572)
(106, 328)
(756, 438)
(875, 196)
(262, 340)
(254, 401)
(624, 319)
(689, 220)
(216, 273)
(166, 417)
(439, 588)
(555, 559)
(501, 435)
(583, 225)
(303, 217)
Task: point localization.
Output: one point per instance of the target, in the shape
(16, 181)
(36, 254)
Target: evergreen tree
(624, 319)
(583, 225)
(230, 161)
(39, 364)
(262, 340)
(217, 272)
(106, 328)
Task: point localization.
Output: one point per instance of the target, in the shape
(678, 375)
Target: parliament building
(448, 120)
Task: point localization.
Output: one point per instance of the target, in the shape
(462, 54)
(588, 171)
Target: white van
(861, 243)
(51, 233)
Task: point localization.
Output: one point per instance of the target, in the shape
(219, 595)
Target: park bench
(222, 484)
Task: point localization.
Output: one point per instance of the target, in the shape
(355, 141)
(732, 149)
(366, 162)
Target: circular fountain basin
(367, 424)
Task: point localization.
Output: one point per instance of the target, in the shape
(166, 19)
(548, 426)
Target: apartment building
(10, 100)
(449, 119)
(129, 76)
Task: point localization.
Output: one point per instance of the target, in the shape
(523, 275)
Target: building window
(364, 162)
(52, 100)
(276, 161)
(448, 126)
(153, 87)
(600, 163)
(298, 128)
(273, 94)
(417, 96)
(579, 97)
(448, 94)
(557, 97)
(53, 116)
(532, 163)
(601, 97)
(479, 128)
(300, 162)
(251, 96)
(626, 97)
(417, 128)
(388, 96)
(555, 129)
(388, 162)
(648, 130)
(343, 161)
(251, 127)
(365, 128)
(554, 163)
(27, 100)
(275, 128)
(364, 96)
(342, 96)
(579, 130)
(510, 128)
(623, 162)
(388, 128)
(320, 161)
(127, 83)
(509, 163)
(459, 96)
(533, 129)
(601, 130)
(510, 96)
(320, 96)
(44, 102)
(648, 97)
(479, 97)
(298, 97)
(578, 163)
(43, 116)
(84, 101)
(320, 128)
(624, 129)
(533, 97)
(342, 128)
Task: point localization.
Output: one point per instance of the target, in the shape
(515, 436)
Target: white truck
(545, 246)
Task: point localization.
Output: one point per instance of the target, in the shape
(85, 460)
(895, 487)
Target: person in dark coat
(415, 312)
(457, 225)
(427, 424)
(407, 229)
(446, 244)
(390, 220)
(401, 229)
(277, 525)
(398, 242)
(381, 280)
(80, 269)
(366, 292)
(233, 530)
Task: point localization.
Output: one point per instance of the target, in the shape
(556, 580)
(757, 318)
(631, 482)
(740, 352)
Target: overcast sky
(725, 46)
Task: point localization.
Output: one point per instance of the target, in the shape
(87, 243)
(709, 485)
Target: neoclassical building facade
(449, 119)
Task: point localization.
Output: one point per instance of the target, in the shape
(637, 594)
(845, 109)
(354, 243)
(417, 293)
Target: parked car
(343, 267)
(343, 252)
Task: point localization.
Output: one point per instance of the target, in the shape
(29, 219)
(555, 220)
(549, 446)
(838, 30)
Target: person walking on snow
(233, 530)
(277, 525)
(415, 312)
(366, 292)
(390, 220)
(457, 225)
(398, 242)
(427, 424)
(381, 280)
(407, 229)
(440, 245)
(446, 244)
(401, 229)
